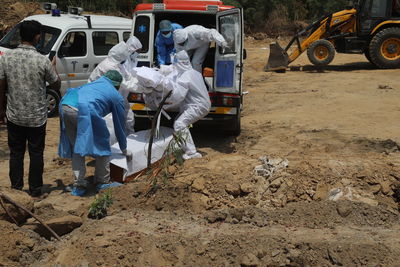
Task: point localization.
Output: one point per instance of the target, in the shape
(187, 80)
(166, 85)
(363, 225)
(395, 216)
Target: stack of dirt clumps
(11, 12)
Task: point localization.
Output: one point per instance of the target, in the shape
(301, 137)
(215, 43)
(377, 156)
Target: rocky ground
(313, 180)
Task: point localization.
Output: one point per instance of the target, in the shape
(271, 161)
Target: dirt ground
(335, 204)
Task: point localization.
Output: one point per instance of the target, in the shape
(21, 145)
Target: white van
(79, 42)
(222, 69)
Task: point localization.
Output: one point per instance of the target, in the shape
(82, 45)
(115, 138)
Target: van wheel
(53, 101)
(321, 52)
(384, 48)
(236, 128)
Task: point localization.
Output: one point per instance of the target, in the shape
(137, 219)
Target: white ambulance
(78, 41)
(222, 69)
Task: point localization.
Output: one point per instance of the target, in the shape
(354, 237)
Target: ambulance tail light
(135, 98)
(224, 100)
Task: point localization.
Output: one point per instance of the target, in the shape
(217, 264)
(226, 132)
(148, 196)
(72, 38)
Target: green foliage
(98, 208)
(257, 13)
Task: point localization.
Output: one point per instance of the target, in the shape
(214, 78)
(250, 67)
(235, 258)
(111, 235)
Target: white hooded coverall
(122, 52)
(196, 41)
(188, 92)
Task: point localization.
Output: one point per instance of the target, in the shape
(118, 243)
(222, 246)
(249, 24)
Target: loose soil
(335, 204)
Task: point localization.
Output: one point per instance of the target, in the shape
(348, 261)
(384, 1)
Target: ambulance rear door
(143, 29)
(229, 61)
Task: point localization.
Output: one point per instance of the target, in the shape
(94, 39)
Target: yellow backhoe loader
(370, 27)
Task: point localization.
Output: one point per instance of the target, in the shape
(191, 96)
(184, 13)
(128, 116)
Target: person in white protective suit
(189, 93)
(195, 40)
(123, 58)
(134, 45)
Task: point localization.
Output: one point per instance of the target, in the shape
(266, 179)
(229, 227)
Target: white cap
(133, 44)
(180, 36)
(148, 77)
(119, 52)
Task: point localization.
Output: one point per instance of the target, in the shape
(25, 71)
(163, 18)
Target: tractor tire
(384, 48)
(321, 52)
(368, 56)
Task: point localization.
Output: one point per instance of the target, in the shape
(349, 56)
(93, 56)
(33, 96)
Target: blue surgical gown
(165, 46)
(95, 100)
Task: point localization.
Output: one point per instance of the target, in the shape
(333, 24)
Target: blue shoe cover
(101, 187)
(78, 191)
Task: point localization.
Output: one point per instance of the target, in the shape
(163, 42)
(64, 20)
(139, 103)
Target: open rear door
(229, 61)
(143, 29)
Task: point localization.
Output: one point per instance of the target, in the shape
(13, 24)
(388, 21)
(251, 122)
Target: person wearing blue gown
(165, 41)
(84, 131)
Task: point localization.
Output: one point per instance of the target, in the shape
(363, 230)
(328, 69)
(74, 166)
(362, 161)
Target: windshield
(48, 37)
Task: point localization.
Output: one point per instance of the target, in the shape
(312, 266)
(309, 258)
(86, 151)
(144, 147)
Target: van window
(74, 44)
(142, 28)
(126, 36)
(229, 28)
(103, 42)
(48, 36)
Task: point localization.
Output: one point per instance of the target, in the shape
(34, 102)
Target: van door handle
(86, 65)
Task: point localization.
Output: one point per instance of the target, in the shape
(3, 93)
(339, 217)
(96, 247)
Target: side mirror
(244, 53)
(63, 51)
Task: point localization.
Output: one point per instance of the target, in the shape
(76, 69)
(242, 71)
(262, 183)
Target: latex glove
(128, 154)
(224, 46)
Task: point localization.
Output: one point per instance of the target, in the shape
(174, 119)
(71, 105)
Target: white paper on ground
(138, 144)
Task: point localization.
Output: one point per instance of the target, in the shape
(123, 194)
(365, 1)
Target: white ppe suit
(134, 45)
(195, 40)
(118, 54)
(189, 93)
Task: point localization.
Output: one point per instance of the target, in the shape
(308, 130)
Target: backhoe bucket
(278, 58)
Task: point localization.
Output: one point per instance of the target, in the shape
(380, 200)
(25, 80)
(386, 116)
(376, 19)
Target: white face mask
(134, 56)
(168, 35)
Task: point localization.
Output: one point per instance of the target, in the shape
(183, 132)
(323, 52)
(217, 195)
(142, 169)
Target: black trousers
(17, 139)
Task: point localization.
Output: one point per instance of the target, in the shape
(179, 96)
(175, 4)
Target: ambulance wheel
(53, 101)
(321, 52)
(236, 129)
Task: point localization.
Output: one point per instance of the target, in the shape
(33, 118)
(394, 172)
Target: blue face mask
(168, 35)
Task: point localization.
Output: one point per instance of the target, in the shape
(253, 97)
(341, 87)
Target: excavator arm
(328, 27)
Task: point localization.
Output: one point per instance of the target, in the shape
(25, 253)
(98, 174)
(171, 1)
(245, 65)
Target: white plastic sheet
(138, 143)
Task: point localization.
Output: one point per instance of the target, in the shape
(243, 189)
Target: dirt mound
(11, 12)
(324, 214)
(18, 247)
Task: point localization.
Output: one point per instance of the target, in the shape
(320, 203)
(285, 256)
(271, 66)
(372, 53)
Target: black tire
(236, 128)
(53, 100)
(384, 48)
(367, 55)
(321, 52)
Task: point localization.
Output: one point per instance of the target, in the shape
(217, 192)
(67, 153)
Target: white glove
(127, 154)
(224, 44)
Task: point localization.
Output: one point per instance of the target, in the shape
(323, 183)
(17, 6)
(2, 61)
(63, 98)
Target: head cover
(147, 77)
(114, 76)
(133, 44)
(165, 26)
(180, 36)
(119, 52)
(182, 61)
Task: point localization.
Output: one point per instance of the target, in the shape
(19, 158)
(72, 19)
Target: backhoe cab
(371, 27)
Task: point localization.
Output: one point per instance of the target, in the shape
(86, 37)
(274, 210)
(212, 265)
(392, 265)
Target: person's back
(24, 73)
(116, 55)
(27, 72)
(98, 97)
(197, 94)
